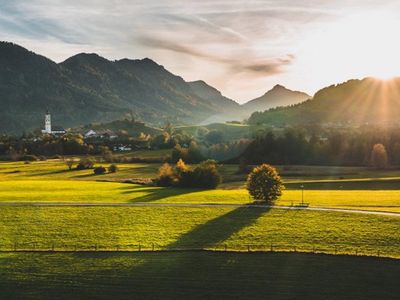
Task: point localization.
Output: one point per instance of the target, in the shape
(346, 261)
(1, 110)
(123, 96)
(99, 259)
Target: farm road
(254, 206)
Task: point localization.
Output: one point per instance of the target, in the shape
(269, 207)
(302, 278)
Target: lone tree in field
(69, 163)
(264, 183)
(379, 157)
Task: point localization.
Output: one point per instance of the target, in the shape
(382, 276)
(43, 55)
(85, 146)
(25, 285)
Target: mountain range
(88, 88)
(352, 103)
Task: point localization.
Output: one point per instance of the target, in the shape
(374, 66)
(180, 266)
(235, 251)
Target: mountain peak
(277, 96)
(279, 87)
(85, 57)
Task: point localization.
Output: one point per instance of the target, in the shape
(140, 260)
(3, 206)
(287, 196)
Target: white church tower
(47, 123)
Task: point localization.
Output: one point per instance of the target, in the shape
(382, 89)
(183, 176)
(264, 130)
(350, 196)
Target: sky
(243, 48)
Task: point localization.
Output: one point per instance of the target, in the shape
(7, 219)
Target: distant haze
(243, 48)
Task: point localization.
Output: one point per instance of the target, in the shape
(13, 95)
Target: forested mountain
(355, 102)
(205, 91)
(88, 88)
(277, 96)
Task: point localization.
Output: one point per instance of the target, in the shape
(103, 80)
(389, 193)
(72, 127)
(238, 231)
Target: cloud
(225, 42)
(238, 64)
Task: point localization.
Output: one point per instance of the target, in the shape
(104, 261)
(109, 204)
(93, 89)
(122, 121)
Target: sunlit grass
(205, 227)
(69, 191)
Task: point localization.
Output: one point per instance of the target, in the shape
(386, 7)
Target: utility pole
(302, 195)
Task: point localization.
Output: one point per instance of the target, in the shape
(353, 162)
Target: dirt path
(106, 204)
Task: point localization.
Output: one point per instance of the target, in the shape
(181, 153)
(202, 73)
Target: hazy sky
(241, 47)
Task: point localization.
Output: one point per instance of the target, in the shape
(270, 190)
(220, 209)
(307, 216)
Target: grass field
(196, 275)
(199, 227)
(50, 182)
(109, 192)
(86, 274)
(230, 131)
(57, 170)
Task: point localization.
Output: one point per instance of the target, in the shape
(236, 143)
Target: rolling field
(58, 170)
(230, 131)
(196, 275)
(111, 192)
(50, 181)
(198, 227)
(113, 273)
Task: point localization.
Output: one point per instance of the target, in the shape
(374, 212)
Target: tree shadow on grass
(53, 172)
(155, 193)
(218, 230)
(86, 175)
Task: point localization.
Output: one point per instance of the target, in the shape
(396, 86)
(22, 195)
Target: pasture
(77, 251)
(104, 226)
(109, 228)
(196, 275)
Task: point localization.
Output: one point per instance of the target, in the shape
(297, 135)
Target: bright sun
(354, 47)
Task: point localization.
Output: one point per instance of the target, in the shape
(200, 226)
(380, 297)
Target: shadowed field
(196, 275)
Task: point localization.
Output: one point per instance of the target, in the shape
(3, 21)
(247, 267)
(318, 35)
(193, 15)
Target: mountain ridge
(353, 102)
(87, 87)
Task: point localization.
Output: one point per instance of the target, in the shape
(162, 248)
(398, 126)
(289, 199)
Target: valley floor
(64, 234)
(196, 275)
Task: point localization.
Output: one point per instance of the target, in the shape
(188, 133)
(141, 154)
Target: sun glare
(364, 45)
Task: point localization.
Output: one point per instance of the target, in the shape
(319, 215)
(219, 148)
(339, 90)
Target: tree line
(366, 146)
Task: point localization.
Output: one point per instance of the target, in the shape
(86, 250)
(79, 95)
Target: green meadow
(51, 181)
(70, 228)
(196, 275)
(76, 250)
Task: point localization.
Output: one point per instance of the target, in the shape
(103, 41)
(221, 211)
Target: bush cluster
(205, 175)
(86, 163)
(113, 168)
(99, 170)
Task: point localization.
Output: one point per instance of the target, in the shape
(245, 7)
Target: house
(108, 134)
(122, 148)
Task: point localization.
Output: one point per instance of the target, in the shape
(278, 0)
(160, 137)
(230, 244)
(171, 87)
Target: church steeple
(47, 122)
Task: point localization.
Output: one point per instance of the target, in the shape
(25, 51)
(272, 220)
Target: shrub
(99, 170)
(113, 168)
(379, 157)
(86, 163)
(264, 183)
(166, 176)
(205, 175)
(184, 175)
